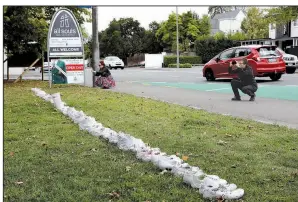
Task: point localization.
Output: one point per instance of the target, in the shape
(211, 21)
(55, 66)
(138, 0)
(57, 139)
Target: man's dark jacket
(245, 75)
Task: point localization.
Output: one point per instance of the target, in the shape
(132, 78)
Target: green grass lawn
(47, 157)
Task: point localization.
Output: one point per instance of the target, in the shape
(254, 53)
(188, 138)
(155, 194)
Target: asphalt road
(193, 75)
(187, 87)
(276, 102)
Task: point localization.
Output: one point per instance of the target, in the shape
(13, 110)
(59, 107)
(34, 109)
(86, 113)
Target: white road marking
(218, 89)
(292, 85)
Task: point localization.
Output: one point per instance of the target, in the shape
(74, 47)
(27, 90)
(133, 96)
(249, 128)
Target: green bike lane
(284, 92)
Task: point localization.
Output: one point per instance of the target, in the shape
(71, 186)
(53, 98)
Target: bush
(210, 47)
(186, 65)
(182, 60)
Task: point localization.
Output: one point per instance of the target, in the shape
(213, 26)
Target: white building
(228, 22)
(285, 35)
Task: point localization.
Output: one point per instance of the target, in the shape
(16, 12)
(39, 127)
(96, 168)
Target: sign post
(65, 45)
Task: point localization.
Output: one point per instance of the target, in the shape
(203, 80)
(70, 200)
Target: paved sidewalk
(281, 112)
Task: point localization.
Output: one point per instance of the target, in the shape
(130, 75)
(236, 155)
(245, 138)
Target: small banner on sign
(74, 70)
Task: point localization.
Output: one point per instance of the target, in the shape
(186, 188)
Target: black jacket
(104, 72)
(245, 75)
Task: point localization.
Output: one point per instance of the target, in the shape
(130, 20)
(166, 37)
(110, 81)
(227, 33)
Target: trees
(255, 25)
(22, 24)
(204, 25)
(238, 36)
(190, 28)
(166, 34)
(213, 10)
(282, 14)
(151, 44)
(123, 38)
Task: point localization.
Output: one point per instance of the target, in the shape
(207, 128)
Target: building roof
(230, 14)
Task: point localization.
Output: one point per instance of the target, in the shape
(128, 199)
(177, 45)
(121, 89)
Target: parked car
(33, 68)
(142, 63)
(265, 60)
(113, 62)
(45, 67)
(290, 60)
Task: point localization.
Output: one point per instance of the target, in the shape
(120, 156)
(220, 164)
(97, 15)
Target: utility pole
(42, 64)
(95, 43)
(177, 40)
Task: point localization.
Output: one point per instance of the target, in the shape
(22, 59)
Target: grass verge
(47, 157)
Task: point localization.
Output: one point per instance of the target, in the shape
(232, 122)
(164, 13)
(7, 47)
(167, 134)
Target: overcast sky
(144, 15)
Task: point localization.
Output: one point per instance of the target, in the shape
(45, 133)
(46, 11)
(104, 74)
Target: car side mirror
(217, 59)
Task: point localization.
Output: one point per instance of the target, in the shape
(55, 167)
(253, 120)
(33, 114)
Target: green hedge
(182, 60)
(210, 47)
(186, 65)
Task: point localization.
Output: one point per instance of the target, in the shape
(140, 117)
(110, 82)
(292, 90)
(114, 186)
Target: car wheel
(290, 70)
(209, 75)
(116, 68)
(122, 67)
(110, 67)
(275, 77)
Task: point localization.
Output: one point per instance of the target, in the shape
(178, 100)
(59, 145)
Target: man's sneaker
(236, 99)
(252, 98)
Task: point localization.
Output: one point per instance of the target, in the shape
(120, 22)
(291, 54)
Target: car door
(223, 63)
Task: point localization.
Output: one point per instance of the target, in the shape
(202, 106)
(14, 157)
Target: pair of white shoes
(211, 186)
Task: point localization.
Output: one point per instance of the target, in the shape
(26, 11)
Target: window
(227, 54)
(295, 23)
(111, 58)
(114, 58)
(240, 52)
(268, 51)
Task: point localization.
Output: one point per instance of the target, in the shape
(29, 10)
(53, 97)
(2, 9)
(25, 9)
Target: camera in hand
(234, 62)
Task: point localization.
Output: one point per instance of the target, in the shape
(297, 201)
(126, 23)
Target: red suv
(265, 61)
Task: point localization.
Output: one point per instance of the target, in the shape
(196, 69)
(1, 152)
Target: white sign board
(153, 60)
(64, 38)
(65, 41)
(74, 70)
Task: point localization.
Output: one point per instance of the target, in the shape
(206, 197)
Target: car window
(241, 52)
(268, 51)
(227, 54)
(114, 58)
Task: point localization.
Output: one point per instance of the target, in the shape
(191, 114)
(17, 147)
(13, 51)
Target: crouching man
(246, 81)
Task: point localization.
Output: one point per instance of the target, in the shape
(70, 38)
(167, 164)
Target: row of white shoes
(210, 186)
